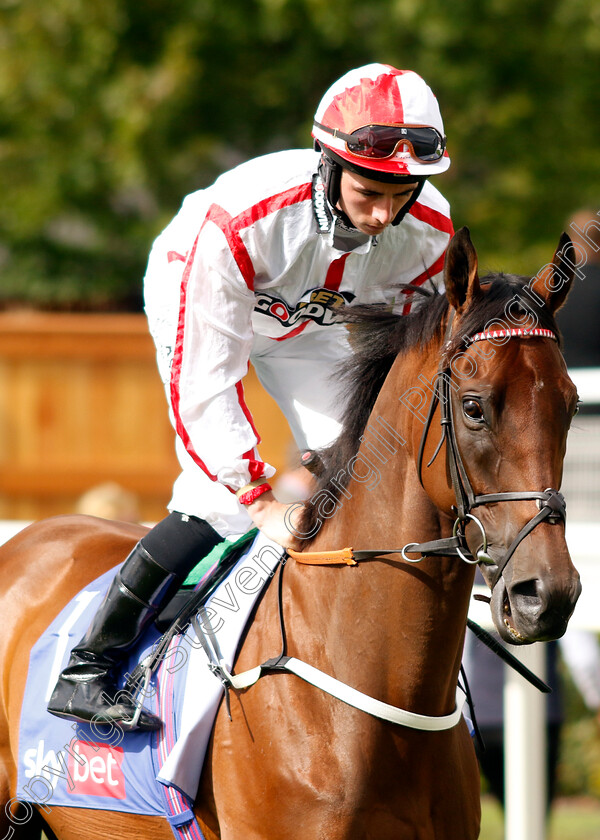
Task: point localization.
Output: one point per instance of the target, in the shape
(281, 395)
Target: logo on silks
(318, 305)
(321, 209)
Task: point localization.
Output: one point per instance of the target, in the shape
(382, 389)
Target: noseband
(551, 503)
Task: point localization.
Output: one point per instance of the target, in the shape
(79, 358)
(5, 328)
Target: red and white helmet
(384, 121)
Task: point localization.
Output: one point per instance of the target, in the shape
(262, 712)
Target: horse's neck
(383, 498)
(389, 616)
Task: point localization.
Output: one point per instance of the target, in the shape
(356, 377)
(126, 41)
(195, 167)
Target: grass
(573, 818)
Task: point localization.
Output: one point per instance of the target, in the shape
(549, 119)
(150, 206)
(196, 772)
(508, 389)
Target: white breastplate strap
(350, 695)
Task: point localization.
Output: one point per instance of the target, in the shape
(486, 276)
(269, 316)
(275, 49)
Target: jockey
(254, 268)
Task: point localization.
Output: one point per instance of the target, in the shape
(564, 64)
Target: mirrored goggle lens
(381, 141)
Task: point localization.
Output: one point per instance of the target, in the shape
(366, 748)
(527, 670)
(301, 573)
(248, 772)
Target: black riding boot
(86, 689)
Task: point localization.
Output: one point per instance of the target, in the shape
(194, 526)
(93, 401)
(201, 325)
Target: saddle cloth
(89, 766)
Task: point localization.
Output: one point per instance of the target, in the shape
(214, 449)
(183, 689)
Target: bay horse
(293, 761)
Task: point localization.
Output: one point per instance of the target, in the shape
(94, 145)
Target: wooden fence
(81, 403)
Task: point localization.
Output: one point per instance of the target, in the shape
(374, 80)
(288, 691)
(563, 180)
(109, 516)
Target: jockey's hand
(269, 516)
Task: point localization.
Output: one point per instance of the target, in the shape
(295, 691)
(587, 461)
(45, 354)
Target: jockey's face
(372, 205)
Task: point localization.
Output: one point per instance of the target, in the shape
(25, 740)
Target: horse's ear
(460, 270)
(554, 280)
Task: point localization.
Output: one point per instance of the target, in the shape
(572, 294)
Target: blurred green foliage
(111, 112)
(579, 768)
(578, 771)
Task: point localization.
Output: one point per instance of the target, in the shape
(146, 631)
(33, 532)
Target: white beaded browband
(536, 332)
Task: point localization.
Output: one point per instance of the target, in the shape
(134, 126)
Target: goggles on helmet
(382, 141)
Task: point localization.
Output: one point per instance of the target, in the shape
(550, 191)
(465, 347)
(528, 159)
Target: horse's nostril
(527, 590)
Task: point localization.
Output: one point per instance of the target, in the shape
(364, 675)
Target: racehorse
(456, 429)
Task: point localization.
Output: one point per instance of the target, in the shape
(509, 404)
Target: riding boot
(146, 581)
(86, 688)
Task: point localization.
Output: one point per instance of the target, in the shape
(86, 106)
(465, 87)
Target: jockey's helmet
(381, 123)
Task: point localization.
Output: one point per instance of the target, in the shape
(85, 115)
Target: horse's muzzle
(534, 610)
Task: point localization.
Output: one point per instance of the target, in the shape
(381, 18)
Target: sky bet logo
(89, 769)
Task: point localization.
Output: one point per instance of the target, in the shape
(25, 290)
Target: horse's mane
(377, 337)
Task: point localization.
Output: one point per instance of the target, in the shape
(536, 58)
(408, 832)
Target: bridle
(551, 503)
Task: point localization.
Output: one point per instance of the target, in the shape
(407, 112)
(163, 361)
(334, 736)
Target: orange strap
(324, 558)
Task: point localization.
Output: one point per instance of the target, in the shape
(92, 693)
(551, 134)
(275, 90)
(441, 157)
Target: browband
(536, 332)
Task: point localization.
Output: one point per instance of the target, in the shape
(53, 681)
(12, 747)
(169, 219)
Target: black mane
(378, 337)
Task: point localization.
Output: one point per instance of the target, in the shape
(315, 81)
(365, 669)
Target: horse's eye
(472, 409)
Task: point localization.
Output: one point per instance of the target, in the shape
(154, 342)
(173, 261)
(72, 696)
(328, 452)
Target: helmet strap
(331, 175)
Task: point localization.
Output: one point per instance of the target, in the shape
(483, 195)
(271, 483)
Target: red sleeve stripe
(233, 226)
(255, 468)
(432, 217)
(433, 269)
(240, 392)
(275, 202)
(177, 363)
(254, 465)
(226, 223)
